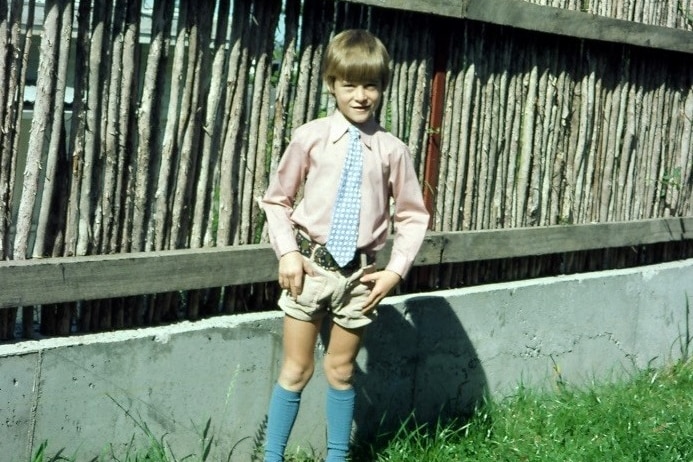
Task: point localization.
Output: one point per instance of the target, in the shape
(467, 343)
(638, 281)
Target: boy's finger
(369, 304)
(297, 285)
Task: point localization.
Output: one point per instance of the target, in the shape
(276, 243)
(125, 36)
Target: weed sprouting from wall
(685, 337)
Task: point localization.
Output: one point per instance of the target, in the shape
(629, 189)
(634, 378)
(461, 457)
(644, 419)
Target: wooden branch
(40, 123)
(86, 228)
(11, 121)
(198, 27)
(211, 130)
(158, 230)
(148, 113)
(686, 151)
(121, 239)
(109, 168)
(237, 78)
(77, 136)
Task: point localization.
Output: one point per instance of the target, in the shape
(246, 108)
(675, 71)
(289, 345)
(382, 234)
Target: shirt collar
(339, 126)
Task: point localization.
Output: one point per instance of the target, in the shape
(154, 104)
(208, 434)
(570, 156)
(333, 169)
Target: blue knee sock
(340, 413)
(281, 416)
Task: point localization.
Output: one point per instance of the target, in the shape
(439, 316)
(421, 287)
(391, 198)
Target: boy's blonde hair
(356, 55)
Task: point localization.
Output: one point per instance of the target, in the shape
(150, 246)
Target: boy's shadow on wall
(418, 366)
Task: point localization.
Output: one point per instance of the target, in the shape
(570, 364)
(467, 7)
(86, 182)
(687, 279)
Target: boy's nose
(360, 93)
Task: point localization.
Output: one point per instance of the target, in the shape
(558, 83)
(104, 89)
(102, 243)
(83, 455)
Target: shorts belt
(322, 257)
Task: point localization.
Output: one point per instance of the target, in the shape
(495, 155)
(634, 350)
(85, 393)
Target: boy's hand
(382, 283)
(292, 267)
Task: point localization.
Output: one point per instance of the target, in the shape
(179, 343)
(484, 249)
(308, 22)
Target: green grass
(647, 418)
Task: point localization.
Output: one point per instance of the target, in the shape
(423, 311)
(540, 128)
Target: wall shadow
(417, 366)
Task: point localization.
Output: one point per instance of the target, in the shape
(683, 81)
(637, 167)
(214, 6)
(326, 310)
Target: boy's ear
(330, 85)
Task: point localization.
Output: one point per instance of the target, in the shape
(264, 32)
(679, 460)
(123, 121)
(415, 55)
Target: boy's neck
(367, 126)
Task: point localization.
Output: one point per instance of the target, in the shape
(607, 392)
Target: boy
(325, 269)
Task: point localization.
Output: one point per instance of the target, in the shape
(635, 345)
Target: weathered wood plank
(524, 15)
(520, 242)
(56, 280)
(539, 18)
(451, 8)
(430, 253)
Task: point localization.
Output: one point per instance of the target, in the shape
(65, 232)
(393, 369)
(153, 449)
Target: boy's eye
(366, 85)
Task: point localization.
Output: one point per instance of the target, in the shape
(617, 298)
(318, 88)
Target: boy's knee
(295, 376)
(339, 374)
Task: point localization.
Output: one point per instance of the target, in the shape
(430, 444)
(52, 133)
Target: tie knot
(354, 132)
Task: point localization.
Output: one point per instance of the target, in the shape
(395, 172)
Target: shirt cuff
(399, 264)
(284, 245)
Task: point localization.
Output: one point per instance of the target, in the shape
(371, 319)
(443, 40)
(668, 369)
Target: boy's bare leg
(297, 368)
(339, 370)
(299, 353)
(341, 354)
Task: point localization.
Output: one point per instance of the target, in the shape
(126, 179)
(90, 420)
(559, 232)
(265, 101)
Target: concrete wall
(431, 354)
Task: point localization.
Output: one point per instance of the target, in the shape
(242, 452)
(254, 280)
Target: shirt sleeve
(410, 215)
(278, 201)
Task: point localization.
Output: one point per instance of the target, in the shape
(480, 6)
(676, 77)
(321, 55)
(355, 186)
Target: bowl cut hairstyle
(356, 55)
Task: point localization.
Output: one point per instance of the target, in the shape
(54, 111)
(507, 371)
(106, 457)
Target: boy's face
(357, 101)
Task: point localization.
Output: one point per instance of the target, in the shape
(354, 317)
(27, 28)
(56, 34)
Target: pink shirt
(314, 159)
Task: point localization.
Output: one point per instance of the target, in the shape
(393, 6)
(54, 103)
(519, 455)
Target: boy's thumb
(368, 278)
(308, 268)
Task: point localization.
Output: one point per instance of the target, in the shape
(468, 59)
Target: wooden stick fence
(179, 115)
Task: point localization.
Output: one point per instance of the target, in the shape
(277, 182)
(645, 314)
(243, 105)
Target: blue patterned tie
(341, 242)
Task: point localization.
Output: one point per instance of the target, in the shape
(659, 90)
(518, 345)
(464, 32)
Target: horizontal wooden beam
(521, 242)
(56, 280)
(560, 21)
(451, 8)
(551, 20)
